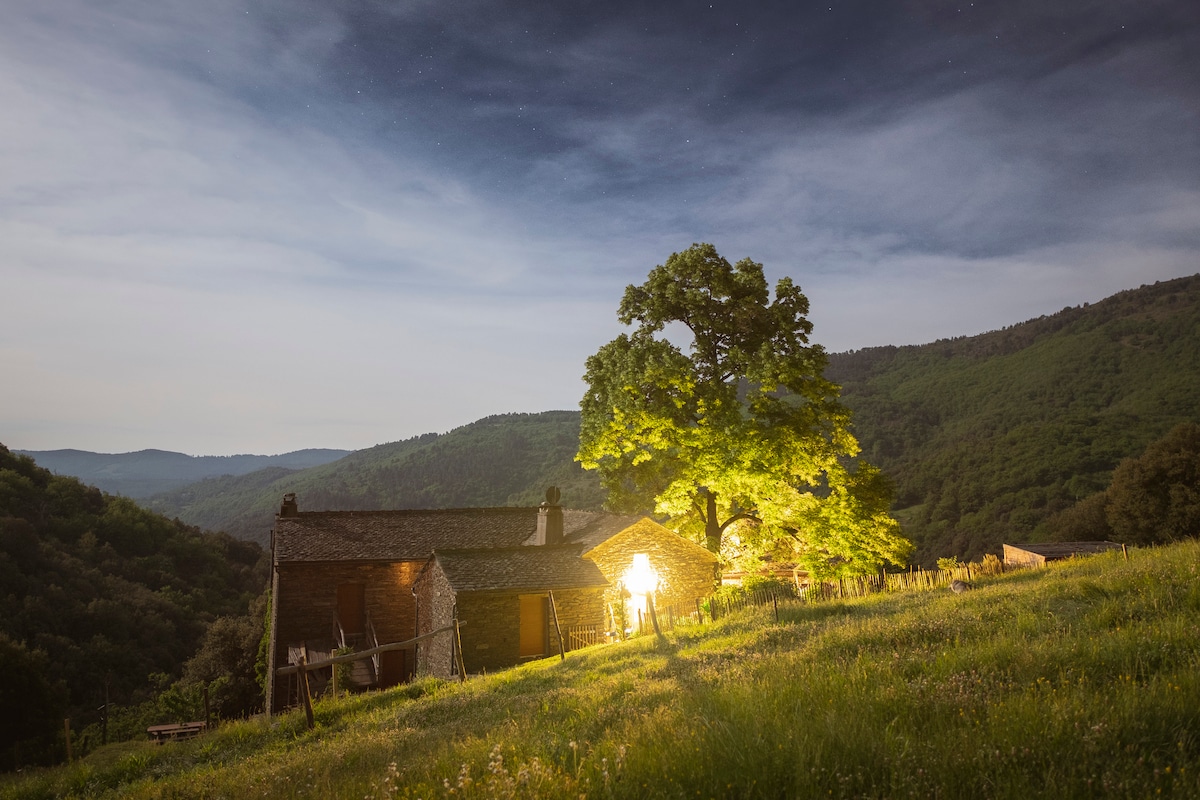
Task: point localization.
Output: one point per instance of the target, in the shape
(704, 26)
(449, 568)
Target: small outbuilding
(1037, 555)
(514, 604)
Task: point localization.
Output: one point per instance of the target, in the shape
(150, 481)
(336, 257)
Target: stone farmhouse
(523, 583)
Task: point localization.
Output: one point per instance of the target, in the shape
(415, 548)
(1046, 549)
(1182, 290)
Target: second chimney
(550, 519)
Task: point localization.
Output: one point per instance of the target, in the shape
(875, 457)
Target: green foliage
(743, 426)
(949, 563)
(1075, 681)
(30, 706)
(987, 437)
(106, 591)
(1153, 499)
(1156, 498)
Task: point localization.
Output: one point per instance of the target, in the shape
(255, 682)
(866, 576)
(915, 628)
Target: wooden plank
(292, 669)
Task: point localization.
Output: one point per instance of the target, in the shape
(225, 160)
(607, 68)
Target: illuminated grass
(1078, 681)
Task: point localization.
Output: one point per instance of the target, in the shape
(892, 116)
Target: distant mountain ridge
(147, 472)
(501, 460)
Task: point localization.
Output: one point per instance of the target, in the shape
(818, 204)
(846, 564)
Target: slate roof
(514, 569)
(411, 535)
(397, 535)
(591, 528)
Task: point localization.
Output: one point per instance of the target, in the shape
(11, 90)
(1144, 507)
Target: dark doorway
(351, 603)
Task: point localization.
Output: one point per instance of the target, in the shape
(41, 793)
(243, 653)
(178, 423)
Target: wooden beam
(383, 648)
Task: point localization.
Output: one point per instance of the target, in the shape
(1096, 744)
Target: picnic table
(175, 732)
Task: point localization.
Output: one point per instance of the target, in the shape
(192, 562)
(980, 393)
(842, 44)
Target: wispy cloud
(231, 227)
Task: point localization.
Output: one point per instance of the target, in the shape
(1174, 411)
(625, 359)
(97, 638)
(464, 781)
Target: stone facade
(686, 571)
(491, 628)
(305, 604)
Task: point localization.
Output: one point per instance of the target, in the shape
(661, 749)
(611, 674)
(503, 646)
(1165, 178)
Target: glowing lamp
(641, 578)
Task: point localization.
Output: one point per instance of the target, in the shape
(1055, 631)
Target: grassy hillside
(1082, 680)
(988, 436)
(508, 459)
(149, 472)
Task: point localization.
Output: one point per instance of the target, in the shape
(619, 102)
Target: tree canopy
(740, 434)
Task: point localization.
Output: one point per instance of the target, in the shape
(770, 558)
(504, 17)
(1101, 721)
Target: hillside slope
(986, 436)
(508, 459)
(149, 472)
(1077, 681)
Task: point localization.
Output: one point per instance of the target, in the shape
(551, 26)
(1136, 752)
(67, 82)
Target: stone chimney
(550, 519)
(289, 507)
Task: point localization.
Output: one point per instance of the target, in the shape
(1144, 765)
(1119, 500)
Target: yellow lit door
(533, 626)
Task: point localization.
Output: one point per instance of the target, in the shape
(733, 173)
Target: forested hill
(987, 436)
(507, 459)
(95, 589)
(148, 472)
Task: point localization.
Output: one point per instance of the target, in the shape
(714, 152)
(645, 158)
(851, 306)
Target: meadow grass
(1081, 680)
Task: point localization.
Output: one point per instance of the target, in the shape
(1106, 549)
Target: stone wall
(686, 571)
(305, 602)
(435, 598)
(491, 624)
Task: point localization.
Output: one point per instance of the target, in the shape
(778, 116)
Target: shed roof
(515, 569)
(1056, 550)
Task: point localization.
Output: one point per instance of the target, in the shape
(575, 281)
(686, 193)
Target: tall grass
(1082, 680)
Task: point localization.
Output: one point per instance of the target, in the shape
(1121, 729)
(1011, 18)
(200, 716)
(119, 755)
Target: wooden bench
(176, 732)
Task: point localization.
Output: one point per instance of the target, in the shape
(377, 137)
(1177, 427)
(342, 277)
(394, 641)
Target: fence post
(699, 611)
(304, 693)
(458, 656)
(67, 731)
(562, 646)
(775, 602)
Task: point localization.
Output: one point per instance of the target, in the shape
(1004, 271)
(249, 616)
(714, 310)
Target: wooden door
(534, 631)
(351, 602)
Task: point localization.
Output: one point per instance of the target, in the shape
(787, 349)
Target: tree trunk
(712, 528)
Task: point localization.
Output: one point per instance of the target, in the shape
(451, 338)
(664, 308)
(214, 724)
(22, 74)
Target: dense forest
(507, 459)
(99, 596)
(987, 437)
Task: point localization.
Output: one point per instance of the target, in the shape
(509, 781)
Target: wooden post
(458, 656)
(304, 693)
(699, 611)
(775, 602)
(67, 731)
(207, 709)
(641, 624)
(653, 616)
(562, 646)
(1125, 551)
(104, 729)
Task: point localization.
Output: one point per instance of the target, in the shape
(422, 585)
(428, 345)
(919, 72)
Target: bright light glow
(641, 578)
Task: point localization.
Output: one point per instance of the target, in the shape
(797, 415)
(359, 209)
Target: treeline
(506, 459)
(99, 597)
(988, 437)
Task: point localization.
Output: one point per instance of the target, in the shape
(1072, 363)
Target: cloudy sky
(235, 227)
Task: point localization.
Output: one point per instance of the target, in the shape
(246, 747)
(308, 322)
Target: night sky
(257, 227)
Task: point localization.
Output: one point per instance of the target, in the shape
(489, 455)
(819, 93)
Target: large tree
(742, 429)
